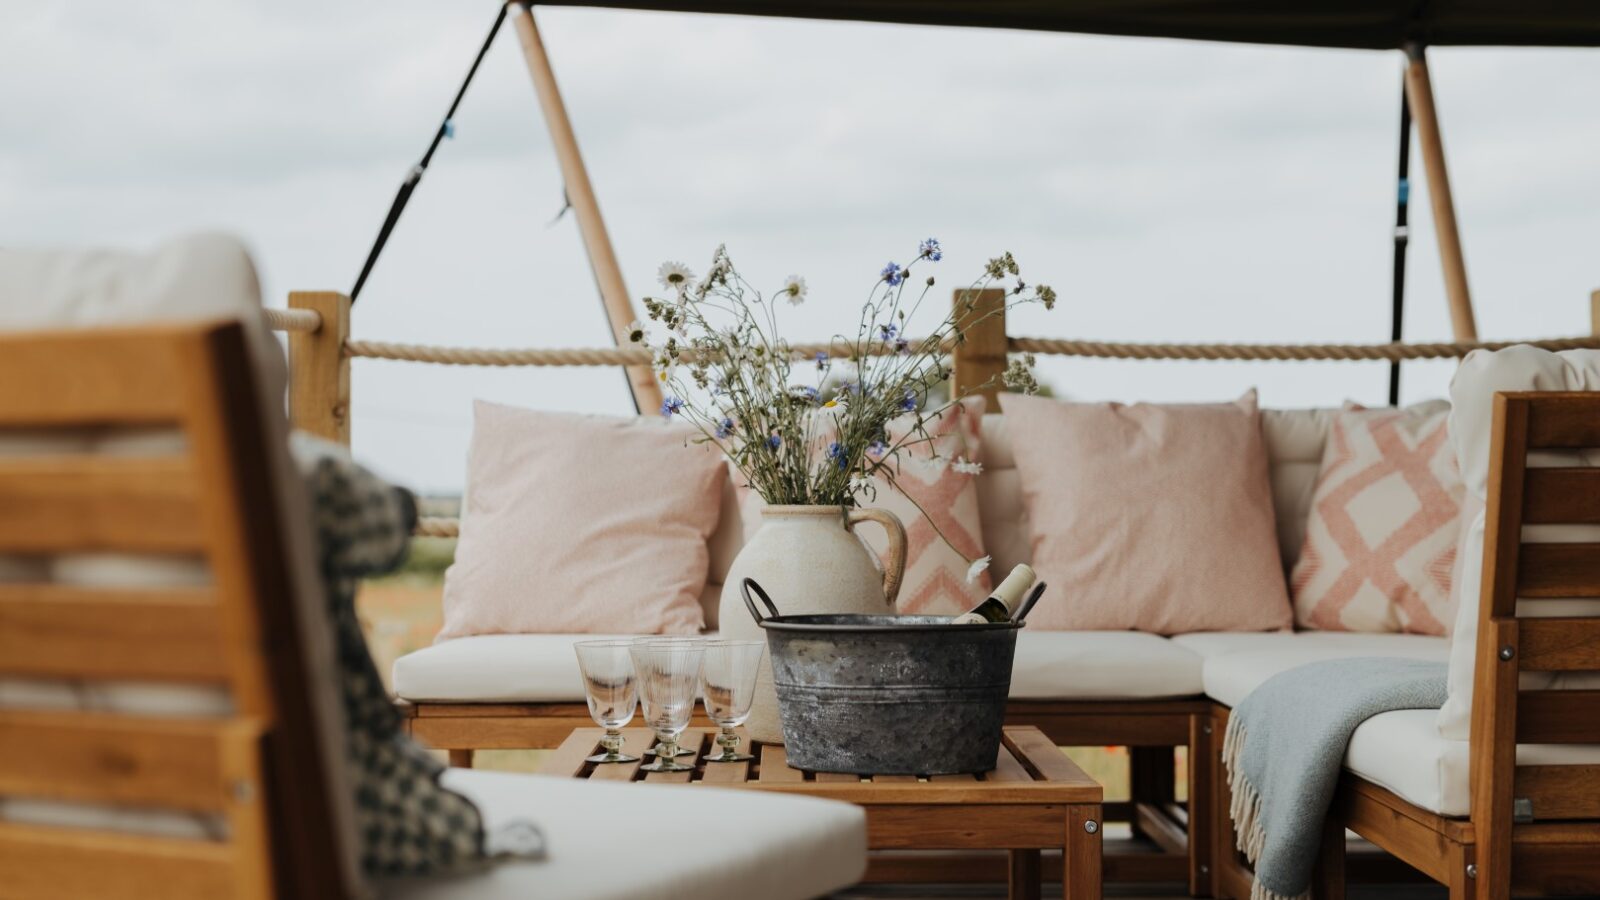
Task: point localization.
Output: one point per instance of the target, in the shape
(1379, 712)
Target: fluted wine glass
(691, 639)
(728, 685)
(669, 675)
(612, 690)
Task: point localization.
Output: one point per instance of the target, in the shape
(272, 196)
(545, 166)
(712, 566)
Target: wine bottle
(1002, 604)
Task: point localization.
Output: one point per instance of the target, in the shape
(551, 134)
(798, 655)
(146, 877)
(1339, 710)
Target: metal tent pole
(1419, 91)
(1402, 235)
(580, 193)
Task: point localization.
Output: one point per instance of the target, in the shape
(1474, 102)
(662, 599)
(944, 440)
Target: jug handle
(895, 568)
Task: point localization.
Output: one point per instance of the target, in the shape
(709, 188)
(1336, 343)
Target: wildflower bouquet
(815, 429)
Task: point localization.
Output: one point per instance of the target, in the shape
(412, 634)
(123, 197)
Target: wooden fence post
(979, 360)
(1594, 313)
(319, 372)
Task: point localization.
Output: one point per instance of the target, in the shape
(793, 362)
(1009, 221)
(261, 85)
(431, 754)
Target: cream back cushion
(1481, 375)
(1294, 439)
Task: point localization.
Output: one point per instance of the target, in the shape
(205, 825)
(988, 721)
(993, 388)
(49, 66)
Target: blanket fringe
(1245, 810)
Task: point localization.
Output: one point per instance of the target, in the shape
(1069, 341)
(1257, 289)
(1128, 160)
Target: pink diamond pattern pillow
(936, 574)
(1385, 518)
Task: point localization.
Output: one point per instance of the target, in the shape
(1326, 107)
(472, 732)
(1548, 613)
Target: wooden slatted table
(1034, 799)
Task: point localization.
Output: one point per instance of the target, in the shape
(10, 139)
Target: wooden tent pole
(580, 193)
(1419, 90)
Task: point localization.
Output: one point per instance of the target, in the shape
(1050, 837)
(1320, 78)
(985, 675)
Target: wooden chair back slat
(103, 758)
(110, 377)
(1561, 792)
(1561, 420)
(42, 863)
(1503, 714)
(1558, 717)
(1561, 496)
(259, 770)
(53, 504)
(1559, 645)
(58, 631)
(1559, 571)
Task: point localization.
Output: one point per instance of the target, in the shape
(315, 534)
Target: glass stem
(729, 742)
(612, 742)
(668, 750)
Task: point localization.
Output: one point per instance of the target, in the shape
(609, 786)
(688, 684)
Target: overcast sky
(1169, 190)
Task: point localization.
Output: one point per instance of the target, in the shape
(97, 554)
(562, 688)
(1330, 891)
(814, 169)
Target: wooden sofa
(170, 719)
(1154, 710)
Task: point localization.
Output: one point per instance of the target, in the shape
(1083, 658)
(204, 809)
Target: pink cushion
(1385, 518)
(1146, 517)
(582, 524)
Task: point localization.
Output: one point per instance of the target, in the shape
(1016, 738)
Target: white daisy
(977, 568)
(966, 467)
(674, 276)
(638, 334)
(860, 483)
(794, 288)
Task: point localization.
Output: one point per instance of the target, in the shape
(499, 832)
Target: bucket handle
(750, 585)
(1027, 605)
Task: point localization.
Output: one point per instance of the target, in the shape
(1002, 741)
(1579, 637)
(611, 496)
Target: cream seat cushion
(1050, 665)
(1404, 752)
(1236, 664)
(650, 842)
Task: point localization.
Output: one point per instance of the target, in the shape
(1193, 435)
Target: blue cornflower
(889, 332)
(892, 274)
(725, 427)
(902, 346)
(909, 401)
(671, 405)
(876, 448)
(774, 441)
(837, 454)
(930, 249)
(804, 392)
(822, 361)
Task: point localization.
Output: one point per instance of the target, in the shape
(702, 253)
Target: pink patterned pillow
(1385, 517)
(936, 575)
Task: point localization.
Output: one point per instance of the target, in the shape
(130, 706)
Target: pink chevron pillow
(1385, 518)
(936, 574)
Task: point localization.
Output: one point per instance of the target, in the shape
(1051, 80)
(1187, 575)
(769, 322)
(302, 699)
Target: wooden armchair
(1533, 829)
(263, 774)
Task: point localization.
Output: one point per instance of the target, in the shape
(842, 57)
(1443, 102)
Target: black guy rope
(414, 177)
(1402, 235)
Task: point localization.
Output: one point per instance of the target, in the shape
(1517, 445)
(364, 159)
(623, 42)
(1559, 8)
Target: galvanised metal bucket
(887, 695)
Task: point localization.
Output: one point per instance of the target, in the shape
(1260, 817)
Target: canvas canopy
(1362, 24)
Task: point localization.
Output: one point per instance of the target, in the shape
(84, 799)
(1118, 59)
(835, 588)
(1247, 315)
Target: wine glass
(728, 684)
(612, 691)
(669, 674)
(691, 640)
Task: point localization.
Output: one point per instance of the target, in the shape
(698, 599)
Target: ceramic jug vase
(810, 560)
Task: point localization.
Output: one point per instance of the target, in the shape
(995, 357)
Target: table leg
(1025, 880)
(1080, 857)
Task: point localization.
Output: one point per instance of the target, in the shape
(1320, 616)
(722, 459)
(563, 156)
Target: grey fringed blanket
(1285, 746)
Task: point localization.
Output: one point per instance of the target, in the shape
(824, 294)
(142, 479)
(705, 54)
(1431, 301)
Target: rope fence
(302, 320)
(437, 526)
(1391, 352)
(306, 321)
